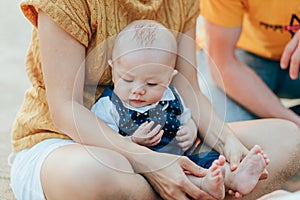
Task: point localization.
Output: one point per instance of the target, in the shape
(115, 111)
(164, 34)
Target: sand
(15, 37)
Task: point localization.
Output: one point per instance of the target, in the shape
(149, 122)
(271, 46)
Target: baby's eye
(127, 80)
(152, 84)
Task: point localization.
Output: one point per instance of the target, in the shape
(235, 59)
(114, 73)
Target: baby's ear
(174, 73)
(110, 62)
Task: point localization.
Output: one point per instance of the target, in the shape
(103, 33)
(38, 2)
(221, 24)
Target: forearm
(211, 128)
(214, 131)
(85, 128)
(244, 86)
(239, 81)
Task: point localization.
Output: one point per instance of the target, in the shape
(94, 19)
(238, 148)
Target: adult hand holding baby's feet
(234, 152)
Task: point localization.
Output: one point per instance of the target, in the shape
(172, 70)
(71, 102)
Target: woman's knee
(290, 139)
(109, 159)
(268, 133)
(283, 149)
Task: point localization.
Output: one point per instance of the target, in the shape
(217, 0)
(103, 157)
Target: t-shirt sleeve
(192, 11)
(71, 15)
(227, 13)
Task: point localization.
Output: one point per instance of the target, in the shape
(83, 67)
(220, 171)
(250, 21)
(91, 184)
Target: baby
(144, 106)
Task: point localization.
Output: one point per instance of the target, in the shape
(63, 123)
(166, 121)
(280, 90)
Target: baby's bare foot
(265, 173)
(213, 182)
(246, 176)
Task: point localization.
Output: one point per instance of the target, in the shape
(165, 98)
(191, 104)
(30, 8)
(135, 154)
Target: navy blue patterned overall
(165, 114)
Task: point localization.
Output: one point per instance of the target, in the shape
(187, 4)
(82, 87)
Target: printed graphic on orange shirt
(292, 27)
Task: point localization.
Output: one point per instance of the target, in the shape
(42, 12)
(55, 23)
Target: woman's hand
(234, 151)
(147, 137)
(171, 181)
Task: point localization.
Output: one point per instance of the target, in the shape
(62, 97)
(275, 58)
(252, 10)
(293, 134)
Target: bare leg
(81, 172)
(275, 195)
(213, 182)
(245, 177)
(281, 195)
(280, 140)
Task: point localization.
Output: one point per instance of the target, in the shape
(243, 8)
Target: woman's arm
(64, 70)
(214, 131)
(237, 77)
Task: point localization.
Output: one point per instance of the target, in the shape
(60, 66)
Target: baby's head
(143, 61)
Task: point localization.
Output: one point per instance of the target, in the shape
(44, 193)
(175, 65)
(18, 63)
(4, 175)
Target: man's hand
(291, 56)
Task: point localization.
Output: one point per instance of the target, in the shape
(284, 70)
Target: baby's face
(140, 78)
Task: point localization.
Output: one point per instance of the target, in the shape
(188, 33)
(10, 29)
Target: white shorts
(26, 168)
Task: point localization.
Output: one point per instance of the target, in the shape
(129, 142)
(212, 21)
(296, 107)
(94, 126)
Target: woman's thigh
(26, 168)
(85, 172)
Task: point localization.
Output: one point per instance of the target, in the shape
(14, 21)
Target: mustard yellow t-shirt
(264, 22)
(91, 23)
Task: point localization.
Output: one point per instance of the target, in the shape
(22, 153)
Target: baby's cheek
(155, 98)
(121, 93)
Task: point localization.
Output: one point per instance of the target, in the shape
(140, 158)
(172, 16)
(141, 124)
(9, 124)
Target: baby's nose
(140, 90)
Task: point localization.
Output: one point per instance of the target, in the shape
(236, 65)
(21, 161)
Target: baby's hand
(147, 137)
(186, 137)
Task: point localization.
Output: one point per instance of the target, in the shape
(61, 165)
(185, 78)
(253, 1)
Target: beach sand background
(14, 39)
(15, 36)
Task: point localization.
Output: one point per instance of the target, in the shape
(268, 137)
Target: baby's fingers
(147, 126)
(184, 145)
(234, 194)
(182, 131)
(142, 130)
(156, 139)
(154, 131)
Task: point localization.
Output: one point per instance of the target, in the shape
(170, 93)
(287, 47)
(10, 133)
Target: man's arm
(240, 82)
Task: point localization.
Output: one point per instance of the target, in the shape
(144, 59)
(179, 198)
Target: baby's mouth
(136, 101)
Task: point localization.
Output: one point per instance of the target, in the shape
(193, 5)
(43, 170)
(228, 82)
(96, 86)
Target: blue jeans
(269, 71)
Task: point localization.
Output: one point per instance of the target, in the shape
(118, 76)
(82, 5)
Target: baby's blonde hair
(144, 34)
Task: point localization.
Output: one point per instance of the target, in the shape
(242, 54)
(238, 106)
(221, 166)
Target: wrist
(227, 137)
(135, 154)
(283, 112)
(291, 116)
(131, 138)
